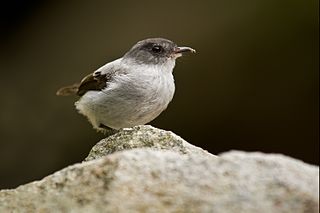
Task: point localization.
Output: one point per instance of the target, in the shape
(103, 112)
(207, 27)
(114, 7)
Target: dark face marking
(151, 51)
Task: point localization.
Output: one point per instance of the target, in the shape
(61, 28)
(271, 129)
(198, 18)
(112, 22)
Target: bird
(129, 91)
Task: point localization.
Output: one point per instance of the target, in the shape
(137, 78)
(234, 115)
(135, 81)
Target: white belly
(128, 100)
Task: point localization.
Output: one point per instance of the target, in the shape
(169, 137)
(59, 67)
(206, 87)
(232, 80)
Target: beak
(178, 50)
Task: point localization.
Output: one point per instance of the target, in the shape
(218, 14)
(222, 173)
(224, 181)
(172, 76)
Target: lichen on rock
(144, 136)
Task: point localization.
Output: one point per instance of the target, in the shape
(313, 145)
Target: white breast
(133, 98)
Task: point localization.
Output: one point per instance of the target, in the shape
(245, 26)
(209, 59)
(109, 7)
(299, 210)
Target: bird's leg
(107, 131)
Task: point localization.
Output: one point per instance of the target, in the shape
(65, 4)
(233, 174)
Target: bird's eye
(157, 49)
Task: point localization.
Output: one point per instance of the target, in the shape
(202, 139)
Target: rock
(145, 180)
(149, 170)
(143, 137)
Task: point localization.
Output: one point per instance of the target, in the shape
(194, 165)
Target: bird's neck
(166, 67)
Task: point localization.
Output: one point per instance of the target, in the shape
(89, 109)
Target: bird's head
(156, 51)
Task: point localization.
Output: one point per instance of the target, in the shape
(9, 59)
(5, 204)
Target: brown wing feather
(94, 81)
(68, 90)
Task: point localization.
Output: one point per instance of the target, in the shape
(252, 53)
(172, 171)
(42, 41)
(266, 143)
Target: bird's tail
(68, 90)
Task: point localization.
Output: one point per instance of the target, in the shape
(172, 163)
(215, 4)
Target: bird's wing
(93, 81)
(97, 80)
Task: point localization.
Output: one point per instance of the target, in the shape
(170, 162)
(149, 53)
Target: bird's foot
(107, 131)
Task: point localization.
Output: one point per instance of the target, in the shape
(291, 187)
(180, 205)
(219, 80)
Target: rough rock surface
(150, 180)
(144, 137)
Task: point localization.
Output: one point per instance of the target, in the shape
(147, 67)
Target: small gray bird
(132, 90)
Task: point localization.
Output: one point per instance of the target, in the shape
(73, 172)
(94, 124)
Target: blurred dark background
(253, 84)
